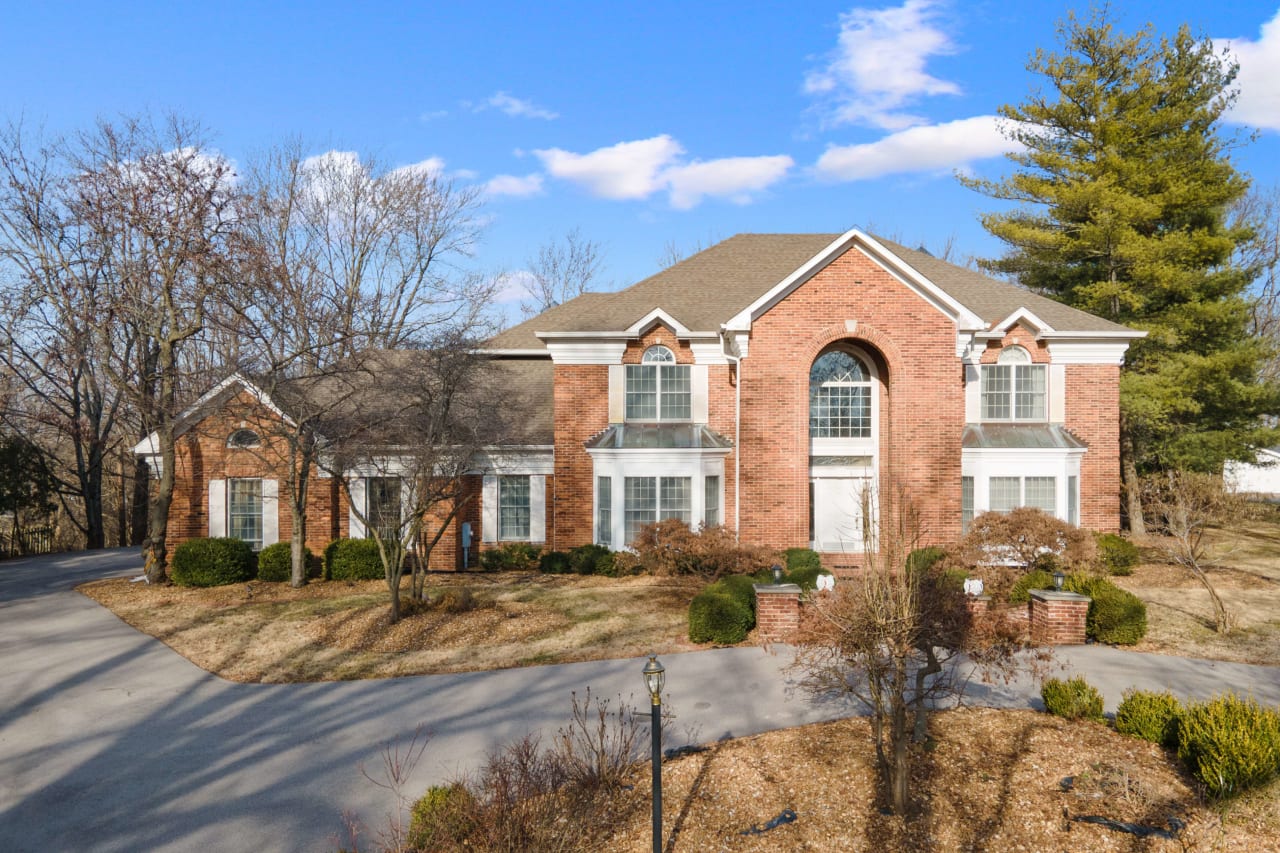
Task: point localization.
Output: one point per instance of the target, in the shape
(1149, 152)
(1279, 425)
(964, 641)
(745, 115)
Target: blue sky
(641, 124)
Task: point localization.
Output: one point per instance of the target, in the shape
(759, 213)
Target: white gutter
(737, 432)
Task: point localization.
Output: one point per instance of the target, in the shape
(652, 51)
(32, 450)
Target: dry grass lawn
(1246, 574)
(326, 631)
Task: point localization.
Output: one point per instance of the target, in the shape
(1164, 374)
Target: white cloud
(878, 66)
(510, 287)
(432, 115)
(733, 178)
(512, 106)
(628, 170)
(637, 170)
(918, 149)
(513, 185)
(423, 168)
(1259, 79)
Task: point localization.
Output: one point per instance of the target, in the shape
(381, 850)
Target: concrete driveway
(111, 741)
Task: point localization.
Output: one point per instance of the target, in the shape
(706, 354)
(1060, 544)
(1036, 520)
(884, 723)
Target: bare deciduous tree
(563, 270)
(1187, 504)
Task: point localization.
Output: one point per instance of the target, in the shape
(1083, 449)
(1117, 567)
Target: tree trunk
(138, 505)
(900, 775)
(1132, 488)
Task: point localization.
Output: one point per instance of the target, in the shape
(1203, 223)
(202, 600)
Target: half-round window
(839, 397)
(244, 438)
(658, 354)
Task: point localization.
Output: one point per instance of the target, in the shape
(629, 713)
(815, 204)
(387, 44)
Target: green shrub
(1150, 716)
(1118, 554)
(1034, 579)
(554, 563)
(212, 562)
(715, 616)
(1073, 699)
(1116, 616)
(353, 560)
(741, 588)
(442, 817)
(923, 559)
(275, 562)
(511, 557)
(591, 560)
(802, 558)
(1230, 744)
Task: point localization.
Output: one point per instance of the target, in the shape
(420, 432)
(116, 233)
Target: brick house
(763, 384)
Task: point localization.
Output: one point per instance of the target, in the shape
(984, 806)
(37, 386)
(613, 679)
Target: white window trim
(869, 446)
(219, 520)
(489, 506)
(658, 365)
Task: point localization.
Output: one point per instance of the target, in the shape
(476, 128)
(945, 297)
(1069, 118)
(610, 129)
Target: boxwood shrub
(511, 557)
(742, 589)
(1230, 744)
(212, 562)
(1149, 715)
(1116, 616)
(353, 560)
(442, 817)
(275, 562)
(716, 616)
(555, 563)
(592, 560)
(1020, 593)
(1118, 554)
(1072, 699)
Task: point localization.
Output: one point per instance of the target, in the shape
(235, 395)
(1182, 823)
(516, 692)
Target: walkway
(110, 741)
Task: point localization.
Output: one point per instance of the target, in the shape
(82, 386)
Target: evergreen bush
(212, 562)
(923, 559)
(1034, 579)
(716, 616)
(741, 588)
(1230, 744)
(1118, 554)
(554, 563)
(442, 817)
(353, 560)
(275, 562)
(1072, 699)
(802, 558)
(511, 557)
(1116, 616)
(1149, 715)
(591, 560)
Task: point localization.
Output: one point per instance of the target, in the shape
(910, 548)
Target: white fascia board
(657, 315)
(521, 353)
(1089, 350)
(1024, 316)
(526, 459)
(655, 457)
(931, 293)
(1016, 456)
(151, 444)
(709, 350)
(595, 349)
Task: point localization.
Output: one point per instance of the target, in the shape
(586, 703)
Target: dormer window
(658, 389)
(244, 438)
(1013, 389)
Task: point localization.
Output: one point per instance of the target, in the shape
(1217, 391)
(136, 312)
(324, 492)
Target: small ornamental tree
(891, 636)
(1000, 547)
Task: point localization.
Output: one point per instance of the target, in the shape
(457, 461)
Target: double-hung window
(1009, 493)
(513, 508)
(383, 509)
(650, 499)
(1014, 389)
(658, 389)
(244, 511)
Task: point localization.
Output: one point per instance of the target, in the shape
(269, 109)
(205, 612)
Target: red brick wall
(921, 398)
(1092, 414)
(581, 411)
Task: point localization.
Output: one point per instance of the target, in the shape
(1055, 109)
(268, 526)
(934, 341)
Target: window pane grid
(1030, 395)
(513, 508)
(244, 511)
(642, 392)
(997, 386)
(676, 404)
(966, 503)
(675, 499)
(1005, 493)
(711, 502)
(1041, 494)
(604, 510)
(382, 506)
(840, 412)
(641, 504)
(1073, 500)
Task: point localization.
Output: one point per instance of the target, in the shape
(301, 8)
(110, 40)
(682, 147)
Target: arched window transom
(658, 389)
(839, 397)
(1014, 389)
(244, 438)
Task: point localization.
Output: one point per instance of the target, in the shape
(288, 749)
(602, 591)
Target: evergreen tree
(1123, 188)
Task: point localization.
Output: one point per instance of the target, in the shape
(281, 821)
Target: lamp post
(1058, 579)
(654, 678)
(777, 574)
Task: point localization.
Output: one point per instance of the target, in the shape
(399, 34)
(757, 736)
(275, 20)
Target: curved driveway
(111, 741)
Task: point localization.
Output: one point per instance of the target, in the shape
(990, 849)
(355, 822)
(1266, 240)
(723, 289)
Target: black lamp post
(654, 678)
(1058, 579)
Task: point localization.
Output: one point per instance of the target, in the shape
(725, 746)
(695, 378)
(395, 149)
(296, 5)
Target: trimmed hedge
(1149, 715)
(716, 616)
(554, 563)
(275, 562)
(212, 562)
(511, 557)
(1230, 744)
(592, 560)
(353, 560)
(1034, 579)
(1118, 554)
(1073, 699)
(741, 588)
(1116, 616)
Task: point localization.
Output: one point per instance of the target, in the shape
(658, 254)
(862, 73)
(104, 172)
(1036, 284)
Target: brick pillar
(1058, 618)
(777, 611)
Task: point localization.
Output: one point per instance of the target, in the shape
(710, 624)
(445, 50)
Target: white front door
(837, 512)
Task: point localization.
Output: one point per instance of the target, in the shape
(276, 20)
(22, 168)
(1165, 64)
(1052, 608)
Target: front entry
(837, 507)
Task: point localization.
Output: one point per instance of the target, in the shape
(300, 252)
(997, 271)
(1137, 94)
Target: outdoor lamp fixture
(777, 575)
(654, 678)
(1058, 578)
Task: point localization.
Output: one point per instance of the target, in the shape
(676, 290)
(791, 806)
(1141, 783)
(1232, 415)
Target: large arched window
(839, 397)
(658, 389)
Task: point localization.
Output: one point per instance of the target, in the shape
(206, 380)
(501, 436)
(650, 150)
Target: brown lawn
(336, 630)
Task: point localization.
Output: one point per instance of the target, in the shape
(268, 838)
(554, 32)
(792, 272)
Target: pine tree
(1122, 191)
